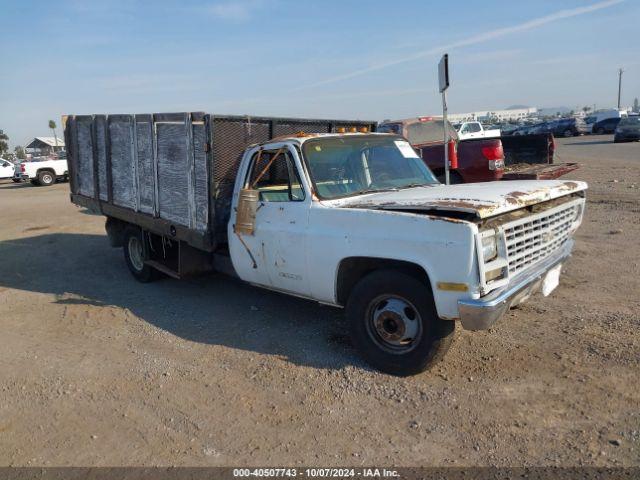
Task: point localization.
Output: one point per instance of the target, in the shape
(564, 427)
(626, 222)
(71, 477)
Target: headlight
(489, 248)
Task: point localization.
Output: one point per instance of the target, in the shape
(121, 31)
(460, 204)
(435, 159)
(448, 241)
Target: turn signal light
(341, 130)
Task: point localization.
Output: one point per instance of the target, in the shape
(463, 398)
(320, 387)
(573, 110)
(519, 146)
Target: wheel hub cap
(135, 253)
(395, 322)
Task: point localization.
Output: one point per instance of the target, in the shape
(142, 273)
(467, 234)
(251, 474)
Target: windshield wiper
(374, 190)
(412, 185)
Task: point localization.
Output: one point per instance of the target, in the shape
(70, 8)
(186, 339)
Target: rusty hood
(482, 199)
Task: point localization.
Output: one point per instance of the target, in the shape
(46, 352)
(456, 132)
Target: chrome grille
(532, 239)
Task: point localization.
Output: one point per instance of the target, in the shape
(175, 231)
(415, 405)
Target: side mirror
(246, 214)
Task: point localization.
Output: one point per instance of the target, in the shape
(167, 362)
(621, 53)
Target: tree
(636, 107)
(53, 126)
(4, 143)
(586, 109)
(20, 153)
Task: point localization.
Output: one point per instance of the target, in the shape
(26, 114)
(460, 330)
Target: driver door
(279, 241)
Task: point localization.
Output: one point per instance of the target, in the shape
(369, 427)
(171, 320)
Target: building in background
(510, 115)
(45, 146)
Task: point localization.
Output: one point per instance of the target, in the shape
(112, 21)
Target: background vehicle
(467, 130)
(570, 127)
(6, 168)
(608, 125)
(596, 117)
(507, 129)
(628, 130)
(479, 160)
(354, 220)
(529, 129)
(41, 171)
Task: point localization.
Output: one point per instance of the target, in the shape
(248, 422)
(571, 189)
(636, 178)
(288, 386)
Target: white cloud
(473, 40)
(237, 11)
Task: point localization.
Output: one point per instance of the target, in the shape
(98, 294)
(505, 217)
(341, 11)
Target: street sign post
(443, 80)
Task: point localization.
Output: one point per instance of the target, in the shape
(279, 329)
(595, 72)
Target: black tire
(599, 131)
(35, 182)
(17, 180)
(454, 178)
(135, 261)
(433, 336)
(46, 178)
(567, 133)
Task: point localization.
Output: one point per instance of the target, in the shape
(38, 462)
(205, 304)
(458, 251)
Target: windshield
(344, 166)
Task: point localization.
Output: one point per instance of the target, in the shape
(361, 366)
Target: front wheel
(46, 178)
(135, 254)
(394, 323)
(599, 131)
(568, 133)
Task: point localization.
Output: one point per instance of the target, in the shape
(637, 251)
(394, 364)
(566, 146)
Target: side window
(274, 175)
(474, 127)
(466, 128)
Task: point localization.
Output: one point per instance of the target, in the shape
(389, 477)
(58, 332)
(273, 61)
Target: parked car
(608, 125)
(529, 129)
(507, 128)
(467, 130)
(596, 117)
(570, 127)
(6, 168)
(477, 160)
(480, 159)
(628, 130)
(351, 220)
(41, 171)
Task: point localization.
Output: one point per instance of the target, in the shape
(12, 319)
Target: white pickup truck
(351, 220)
(467, 130)
(42, 171)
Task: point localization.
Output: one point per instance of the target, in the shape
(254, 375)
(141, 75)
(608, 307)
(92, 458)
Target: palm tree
(52, 126)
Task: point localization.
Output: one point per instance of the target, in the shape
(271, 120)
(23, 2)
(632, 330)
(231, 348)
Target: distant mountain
(517, 107)
(553, 110)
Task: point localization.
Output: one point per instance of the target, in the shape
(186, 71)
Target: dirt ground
(97, 369)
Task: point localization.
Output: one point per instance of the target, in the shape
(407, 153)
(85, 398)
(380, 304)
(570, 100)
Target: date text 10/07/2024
(316, 472)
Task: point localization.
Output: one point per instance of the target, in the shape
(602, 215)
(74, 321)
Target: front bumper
(481, 313)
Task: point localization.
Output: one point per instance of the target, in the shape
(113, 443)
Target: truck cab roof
(302, 137)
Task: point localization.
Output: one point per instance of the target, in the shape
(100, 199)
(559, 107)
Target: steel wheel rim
(47, 178)
(135, 253)
(394, 324)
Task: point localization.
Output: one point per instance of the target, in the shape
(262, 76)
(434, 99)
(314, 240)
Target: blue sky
(332, 59)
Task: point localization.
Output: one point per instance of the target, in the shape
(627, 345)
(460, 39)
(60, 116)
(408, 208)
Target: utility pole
(619, 85)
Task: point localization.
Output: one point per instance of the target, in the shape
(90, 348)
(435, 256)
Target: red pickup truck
(483, 159)
(479, 160)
